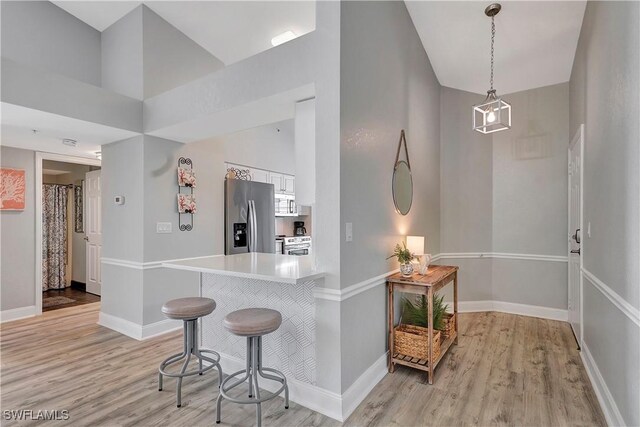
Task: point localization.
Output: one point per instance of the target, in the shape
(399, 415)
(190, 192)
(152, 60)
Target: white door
(575, 234)
(93, 230)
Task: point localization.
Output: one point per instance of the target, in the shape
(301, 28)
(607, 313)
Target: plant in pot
(416, 313)
(404, 257)
(411, 335)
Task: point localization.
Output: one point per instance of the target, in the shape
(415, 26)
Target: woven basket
(413, 341)
(449, 321)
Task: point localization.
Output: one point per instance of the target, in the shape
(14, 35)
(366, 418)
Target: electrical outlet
(163, 227)
(349, 232)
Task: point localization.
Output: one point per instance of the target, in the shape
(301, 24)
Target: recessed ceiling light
(70, 142)
(283, 38)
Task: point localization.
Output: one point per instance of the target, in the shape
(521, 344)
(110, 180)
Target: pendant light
(493, 114)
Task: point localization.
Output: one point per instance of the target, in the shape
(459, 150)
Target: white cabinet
(282, 183)
(277, 180)
(260, 175)
(289, 184)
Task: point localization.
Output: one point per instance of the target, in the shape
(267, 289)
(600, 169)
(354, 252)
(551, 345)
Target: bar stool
(253, 323)
(189, 310)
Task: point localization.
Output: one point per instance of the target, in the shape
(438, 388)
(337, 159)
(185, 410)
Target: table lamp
(416, 246)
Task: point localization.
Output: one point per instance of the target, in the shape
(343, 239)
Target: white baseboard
(136, 331)
(17, 313)
(608, 405)
(514, 308)
(360, 389)
(315, 398)
(326, 402)
(160, 328)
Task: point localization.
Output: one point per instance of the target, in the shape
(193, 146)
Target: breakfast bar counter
(281, 282)
(270, 267)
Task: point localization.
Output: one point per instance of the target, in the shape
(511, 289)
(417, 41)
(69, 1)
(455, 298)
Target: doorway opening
(67, 231)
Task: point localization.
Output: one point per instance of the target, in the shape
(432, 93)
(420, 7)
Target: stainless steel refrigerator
(249, 217)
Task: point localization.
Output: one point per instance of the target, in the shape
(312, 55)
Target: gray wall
(530, 198)
(263, 147)
(171, 58)
(122, 58)
(42, 35)
(122, 175)
(466, 196)
(143, 55)
(18, 237)
(507, 193)
(387, 84)
(604, 93)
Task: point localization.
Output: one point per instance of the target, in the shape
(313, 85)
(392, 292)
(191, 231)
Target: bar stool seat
(189, 310)
(251, 322)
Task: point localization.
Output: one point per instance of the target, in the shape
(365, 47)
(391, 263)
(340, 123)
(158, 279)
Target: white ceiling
(229, 30)
(18, 124)
(534, 47)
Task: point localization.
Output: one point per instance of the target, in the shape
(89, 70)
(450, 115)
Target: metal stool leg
(251, 372)
(190, 347)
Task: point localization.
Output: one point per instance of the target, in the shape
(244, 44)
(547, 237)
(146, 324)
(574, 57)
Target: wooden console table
(436, 278)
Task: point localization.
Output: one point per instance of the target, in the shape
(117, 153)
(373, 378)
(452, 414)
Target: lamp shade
(415, 244)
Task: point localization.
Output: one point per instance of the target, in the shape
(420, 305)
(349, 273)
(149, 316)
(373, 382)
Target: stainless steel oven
(300, 245)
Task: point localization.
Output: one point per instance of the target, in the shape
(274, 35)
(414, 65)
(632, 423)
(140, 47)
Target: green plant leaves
(416, 313)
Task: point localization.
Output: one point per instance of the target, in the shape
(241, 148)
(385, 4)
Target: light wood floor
(506, 370)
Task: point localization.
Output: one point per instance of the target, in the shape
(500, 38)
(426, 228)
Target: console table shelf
(436, 278)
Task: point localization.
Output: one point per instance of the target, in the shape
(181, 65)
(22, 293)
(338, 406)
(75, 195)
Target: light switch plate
(163, 227)
(349, 232)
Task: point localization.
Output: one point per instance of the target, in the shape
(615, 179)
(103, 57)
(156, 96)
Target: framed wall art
(12, 189)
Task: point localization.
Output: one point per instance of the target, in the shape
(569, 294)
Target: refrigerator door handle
(250, 231)
(255, 225)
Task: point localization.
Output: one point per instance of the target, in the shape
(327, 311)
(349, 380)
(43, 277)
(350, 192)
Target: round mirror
(402, 187)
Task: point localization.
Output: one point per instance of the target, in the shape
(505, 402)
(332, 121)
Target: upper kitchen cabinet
(277, 180)
(289, 184)
(260, 175)
(284, 184)
(305, 140)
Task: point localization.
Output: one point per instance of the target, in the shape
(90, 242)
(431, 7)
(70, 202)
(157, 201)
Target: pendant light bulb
(491, 117)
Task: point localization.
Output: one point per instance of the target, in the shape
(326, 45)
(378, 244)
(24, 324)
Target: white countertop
(272, 267)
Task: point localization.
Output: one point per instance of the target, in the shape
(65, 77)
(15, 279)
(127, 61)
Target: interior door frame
(40, 157)
(578, 138)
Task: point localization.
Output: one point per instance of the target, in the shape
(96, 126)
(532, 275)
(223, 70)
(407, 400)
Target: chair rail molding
(503, 255)
(623, 305)
(355, 289)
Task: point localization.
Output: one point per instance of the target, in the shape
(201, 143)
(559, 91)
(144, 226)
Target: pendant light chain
(493, 36)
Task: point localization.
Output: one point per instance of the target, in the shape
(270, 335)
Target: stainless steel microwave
(286, 205)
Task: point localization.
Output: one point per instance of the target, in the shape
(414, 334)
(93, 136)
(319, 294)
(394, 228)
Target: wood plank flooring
(80, 297)
(506, 370)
